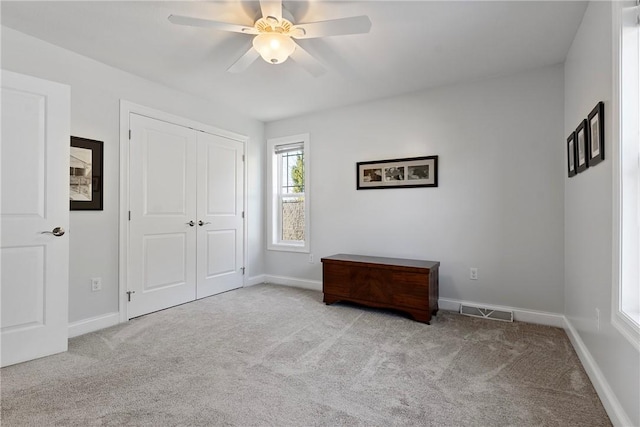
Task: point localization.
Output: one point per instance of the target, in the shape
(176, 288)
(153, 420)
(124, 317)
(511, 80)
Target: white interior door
(220, 214)
(162, 229)
(35, 201)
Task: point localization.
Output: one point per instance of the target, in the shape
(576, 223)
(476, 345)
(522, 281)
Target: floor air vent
(486, 313)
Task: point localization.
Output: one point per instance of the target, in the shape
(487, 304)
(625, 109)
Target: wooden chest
(407, 285)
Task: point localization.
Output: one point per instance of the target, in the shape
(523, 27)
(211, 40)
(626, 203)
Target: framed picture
(571, 154)
(398, 173)
(596, 134)
(85, 174)
(582, 145)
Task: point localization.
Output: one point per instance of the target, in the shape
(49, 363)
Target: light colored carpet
(272, 355)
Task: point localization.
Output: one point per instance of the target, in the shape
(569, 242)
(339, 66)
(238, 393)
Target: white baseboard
(314, 285)
(93, 324)
(519, 314)
(611, 404)
(255, 280)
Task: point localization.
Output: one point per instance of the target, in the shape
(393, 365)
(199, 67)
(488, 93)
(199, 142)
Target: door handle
(200, 223)
(191, 223)
(58, 231)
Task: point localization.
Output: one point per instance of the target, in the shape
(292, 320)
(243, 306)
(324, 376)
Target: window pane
(292, 173)
(292, 219)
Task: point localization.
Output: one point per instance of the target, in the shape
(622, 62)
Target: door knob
(58, 231)
(200, 223)
(191, 223)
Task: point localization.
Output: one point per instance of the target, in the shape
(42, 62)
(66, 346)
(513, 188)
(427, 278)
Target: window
(626, 296)
(288, 210)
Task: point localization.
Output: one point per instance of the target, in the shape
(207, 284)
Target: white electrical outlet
(96, 284)
(473, 273)
(310, 258)
(598, 318)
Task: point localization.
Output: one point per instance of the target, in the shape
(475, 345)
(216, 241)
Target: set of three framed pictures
(585, 146)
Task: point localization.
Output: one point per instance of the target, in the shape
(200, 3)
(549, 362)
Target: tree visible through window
(297, 173)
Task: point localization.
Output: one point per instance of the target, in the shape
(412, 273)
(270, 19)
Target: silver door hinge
(129, 215)
(242, 214)
(129, 134)
(242, 270)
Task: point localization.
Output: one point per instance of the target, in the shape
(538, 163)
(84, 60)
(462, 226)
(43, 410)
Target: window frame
(628, 324)
(274, 195)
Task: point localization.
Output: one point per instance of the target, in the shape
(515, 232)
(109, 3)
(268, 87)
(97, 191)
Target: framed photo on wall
(582, 145)
(85, 174)
(571, 154)
(596, 134)
(398, 173)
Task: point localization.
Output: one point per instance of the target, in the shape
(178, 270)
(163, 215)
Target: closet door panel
(221, 260)
(221, 180)
(162, 247)
(165, 174)
(220, 213)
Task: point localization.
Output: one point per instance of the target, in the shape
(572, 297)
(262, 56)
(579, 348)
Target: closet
(186, 219)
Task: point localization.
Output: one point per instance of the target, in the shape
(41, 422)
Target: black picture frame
(582, 145)
(408, 172)
(595, 122)
(85, 174)
(571, 155)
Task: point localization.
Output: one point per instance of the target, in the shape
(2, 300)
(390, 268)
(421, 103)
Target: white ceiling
(412, 45)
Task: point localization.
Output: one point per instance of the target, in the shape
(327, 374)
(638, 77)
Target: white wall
(96, 90)
(588, 217)
(499, 206)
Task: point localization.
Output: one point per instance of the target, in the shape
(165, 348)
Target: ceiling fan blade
(334, 27)
(222, 26)
(245, 60)
(308, 62)
(271, 8)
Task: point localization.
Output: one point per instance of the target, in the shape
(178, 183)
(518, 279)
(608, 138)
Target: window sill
(288, 248)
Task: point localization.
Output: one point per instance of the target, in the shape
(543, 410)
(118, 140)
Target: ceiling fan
(274, 33)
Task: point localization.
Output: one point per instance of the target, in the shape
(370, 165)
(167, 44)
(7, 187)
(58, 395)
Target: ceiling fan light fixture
(274, 48)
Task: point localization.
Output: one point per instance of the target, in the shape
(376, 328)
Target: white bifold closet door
(186, 228)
